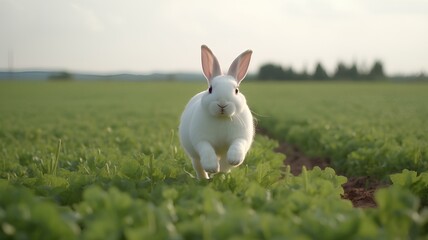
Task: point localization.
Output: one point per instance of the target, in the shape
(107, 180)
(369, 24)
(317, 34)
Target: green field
(101, 160)
(364, 128)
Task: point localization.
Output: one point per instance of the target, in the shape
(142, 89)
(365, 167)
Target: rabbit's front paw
(210, 164)
(235, 156)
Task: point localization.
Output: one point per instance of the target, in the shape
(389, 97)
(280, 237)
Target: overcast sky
(165, 35)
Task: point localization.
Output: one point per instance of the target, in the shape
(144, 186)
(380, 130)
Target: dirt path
(359, 190)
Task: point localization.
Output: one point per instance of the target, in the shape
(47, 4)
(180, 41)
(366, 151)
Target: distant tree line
(61, 76)
(272, 71)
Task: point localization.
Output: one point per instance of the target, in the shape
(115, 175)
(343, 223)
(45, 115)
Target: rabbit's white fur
(216, 127)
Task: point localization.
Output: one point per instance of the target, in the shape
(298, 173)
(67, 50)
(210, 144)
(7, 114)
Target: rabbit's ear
(210, 64)
(239, 67)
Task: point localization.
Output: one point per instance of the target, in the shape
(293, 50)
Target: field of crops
(101, 160)
(366, 129)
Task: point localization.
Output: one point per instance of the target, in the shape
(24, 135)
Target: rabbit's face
(223, 98)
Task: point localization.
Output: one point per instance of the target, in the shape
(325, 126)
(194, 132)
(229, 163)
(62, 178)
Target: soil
(359, 190)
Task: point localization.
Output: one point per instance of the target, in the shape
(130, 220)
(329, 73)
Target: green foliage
(365, 129)
(25, 216)
(344, 72)
(270, 71)
(61, 76)
(118, 173)
(417, 184)
(320, 73)
(376, 71)
(398, 214)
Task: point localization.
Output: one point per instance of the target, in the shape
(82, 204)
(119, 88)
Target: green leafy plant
(417, 184)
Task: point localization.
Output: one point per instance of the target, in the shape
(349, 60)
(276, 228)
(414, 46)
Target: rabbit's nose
(222, 106)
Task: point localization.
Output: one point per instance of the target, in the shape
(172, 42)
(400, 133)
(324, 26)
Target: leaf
(405, 178)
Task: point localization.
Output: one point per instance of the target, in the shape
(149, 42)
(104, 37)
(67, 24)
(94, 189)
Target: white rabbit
(217, 128)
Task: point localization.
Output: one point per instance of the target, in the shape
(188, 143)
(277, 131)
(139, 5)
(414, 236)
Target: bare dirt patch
(359, 190)
(296, 159)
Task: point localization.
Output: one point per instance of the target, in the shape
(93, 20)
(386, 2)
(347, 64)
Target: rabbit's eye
(210, 90)
(236, 91)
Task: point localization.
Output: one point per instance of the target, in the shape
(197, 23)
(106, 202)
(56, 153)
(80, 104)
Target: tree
(341, 71)
(304, 75)
(345, 72)
(376, 71)
(271, 72)
(61, 76)
(353, 72)
(289, 74)
(320, 73)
